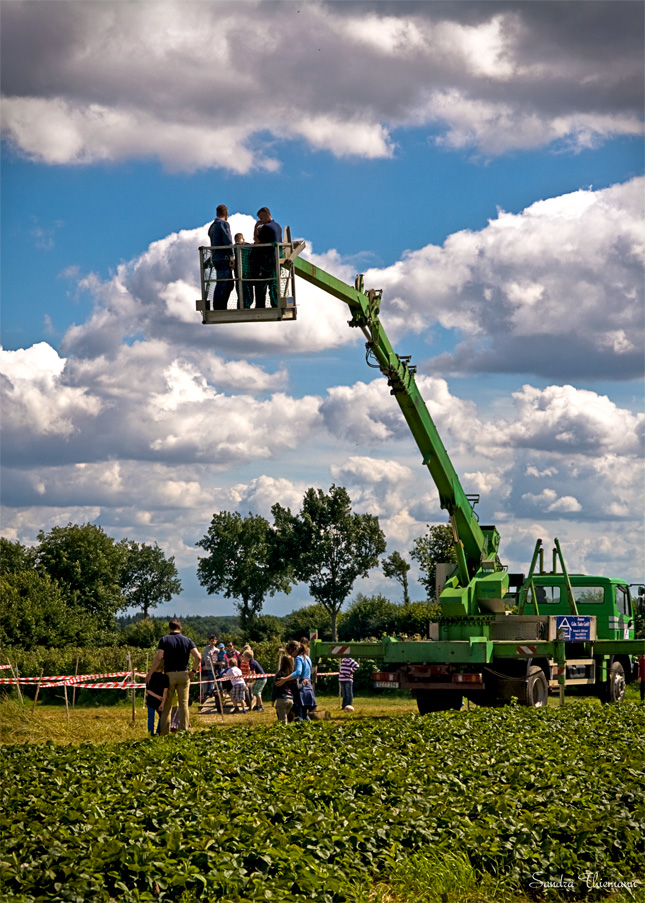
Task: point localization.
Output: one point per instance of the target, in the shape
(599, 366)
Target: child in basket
(238, 686)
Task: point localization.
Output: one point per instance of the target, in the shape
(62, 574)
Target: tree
(87, 565)
(415, 618)
(376, 616)
(264, 627)
(396, 567)
(328, 546)
(144, 633)
(369, 616)
(15, 557)
(241, 562)
(302, 621)
(34, 612)
(148, 577)
(429, 551)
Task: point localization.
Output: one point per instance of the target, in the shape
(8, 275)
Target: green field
(464, 807)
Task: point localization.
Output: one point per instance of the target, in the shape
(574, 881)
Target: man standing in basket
(219, 235)
(267, 231)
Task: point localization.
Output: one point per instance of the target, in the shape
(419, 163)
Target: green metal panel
(476, 650)
(320, 648)
(517, 649)
(619, 647)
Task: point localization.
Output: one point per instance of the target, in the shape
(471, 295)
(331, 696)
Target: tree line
(325, 545)
(70, 587)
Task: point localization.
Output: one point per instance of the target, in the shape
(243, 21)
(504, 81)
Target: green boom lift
(569, 629)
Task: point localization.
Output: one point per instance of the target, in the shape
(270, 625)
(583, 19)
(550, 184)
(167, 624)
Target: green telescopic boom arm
(478, 543)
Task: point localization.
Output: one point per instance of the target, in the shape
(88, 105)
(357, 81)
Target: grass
(450, 878)
(20, 723)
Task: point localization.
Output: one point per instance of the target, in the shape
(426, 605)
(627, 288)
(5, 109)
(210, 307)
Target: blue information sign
(576, 628)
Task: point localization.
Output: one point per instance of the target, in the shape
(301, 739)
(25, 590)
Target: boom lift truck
(569, 629)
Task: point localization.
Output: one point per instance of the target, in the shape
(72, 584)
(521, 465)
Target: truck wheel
(537, 689)
(438, 701)
(615, 691)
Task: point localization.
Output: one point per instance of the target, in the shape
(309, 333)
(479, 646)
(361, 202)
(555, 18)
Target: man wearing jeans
(175, 649)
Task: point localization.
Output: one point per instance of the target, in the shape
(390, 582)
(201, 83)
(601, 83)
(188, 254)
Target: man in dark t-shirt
(267, 231)
(175, 650)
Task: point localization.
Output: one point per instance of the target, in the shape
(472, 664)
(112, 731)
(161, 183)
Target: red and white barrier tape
(260, 676)
(79, 680)
(69, 678)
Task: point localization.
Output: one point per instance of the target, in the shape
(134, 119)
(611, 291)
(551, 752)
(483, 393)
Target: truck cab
(605, 598)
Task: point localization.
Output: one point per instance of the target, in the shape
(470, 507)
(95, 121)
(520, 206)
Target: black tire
(537, 689)
(438, 701)
(615, 686)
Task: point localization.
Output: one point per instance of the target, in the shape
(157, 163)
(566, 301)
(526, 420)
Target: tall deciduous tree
(241, 562)
(328, 546)
(34, 612)
(148, 577)
(86, 563)
(15, 557)
(429, 551)
(396, 567)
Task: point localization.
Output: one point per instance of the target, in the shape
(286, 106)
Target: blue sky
(480, 162)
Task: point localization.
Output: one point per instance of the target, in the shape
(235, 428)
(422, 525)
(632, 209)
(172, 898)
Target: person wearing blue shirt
(267, 231)
(219, 235)
(304, 698)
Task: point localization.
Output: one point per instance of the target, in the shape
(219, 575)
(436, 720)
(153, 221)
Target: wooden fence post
(66, 701)
(16, 677)
(74, 690)
(134, 692)
(37, 690)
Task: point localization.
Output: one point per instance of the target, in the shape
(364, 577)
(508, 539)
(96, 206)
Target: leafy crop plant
(333, 812)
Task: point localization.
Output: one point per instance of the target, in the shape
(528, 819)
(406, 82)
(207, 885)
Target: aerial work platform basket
(248, 282)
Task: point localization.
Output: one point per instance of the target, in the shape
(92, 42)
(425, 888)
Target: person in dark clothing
(267, 231)
(258, 685)
(219, 235)
(292, 650)
(175, 650)
(156, 696)
(282, 696)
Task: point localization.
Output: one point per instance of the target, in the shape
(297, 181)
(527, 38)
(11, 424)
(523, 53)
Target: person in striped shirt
(346, 681)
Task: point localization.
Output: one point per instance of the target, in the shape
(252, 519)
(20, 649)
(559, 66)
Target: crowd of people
(225, 671)
(249, 266)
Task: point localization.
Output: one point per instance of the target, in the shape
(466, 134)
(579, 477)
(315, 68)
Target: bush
(143, 634)
(302, 621)
(376, 616)
(35, 611)
(368, 616)
(264, 627)
(414, 618)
